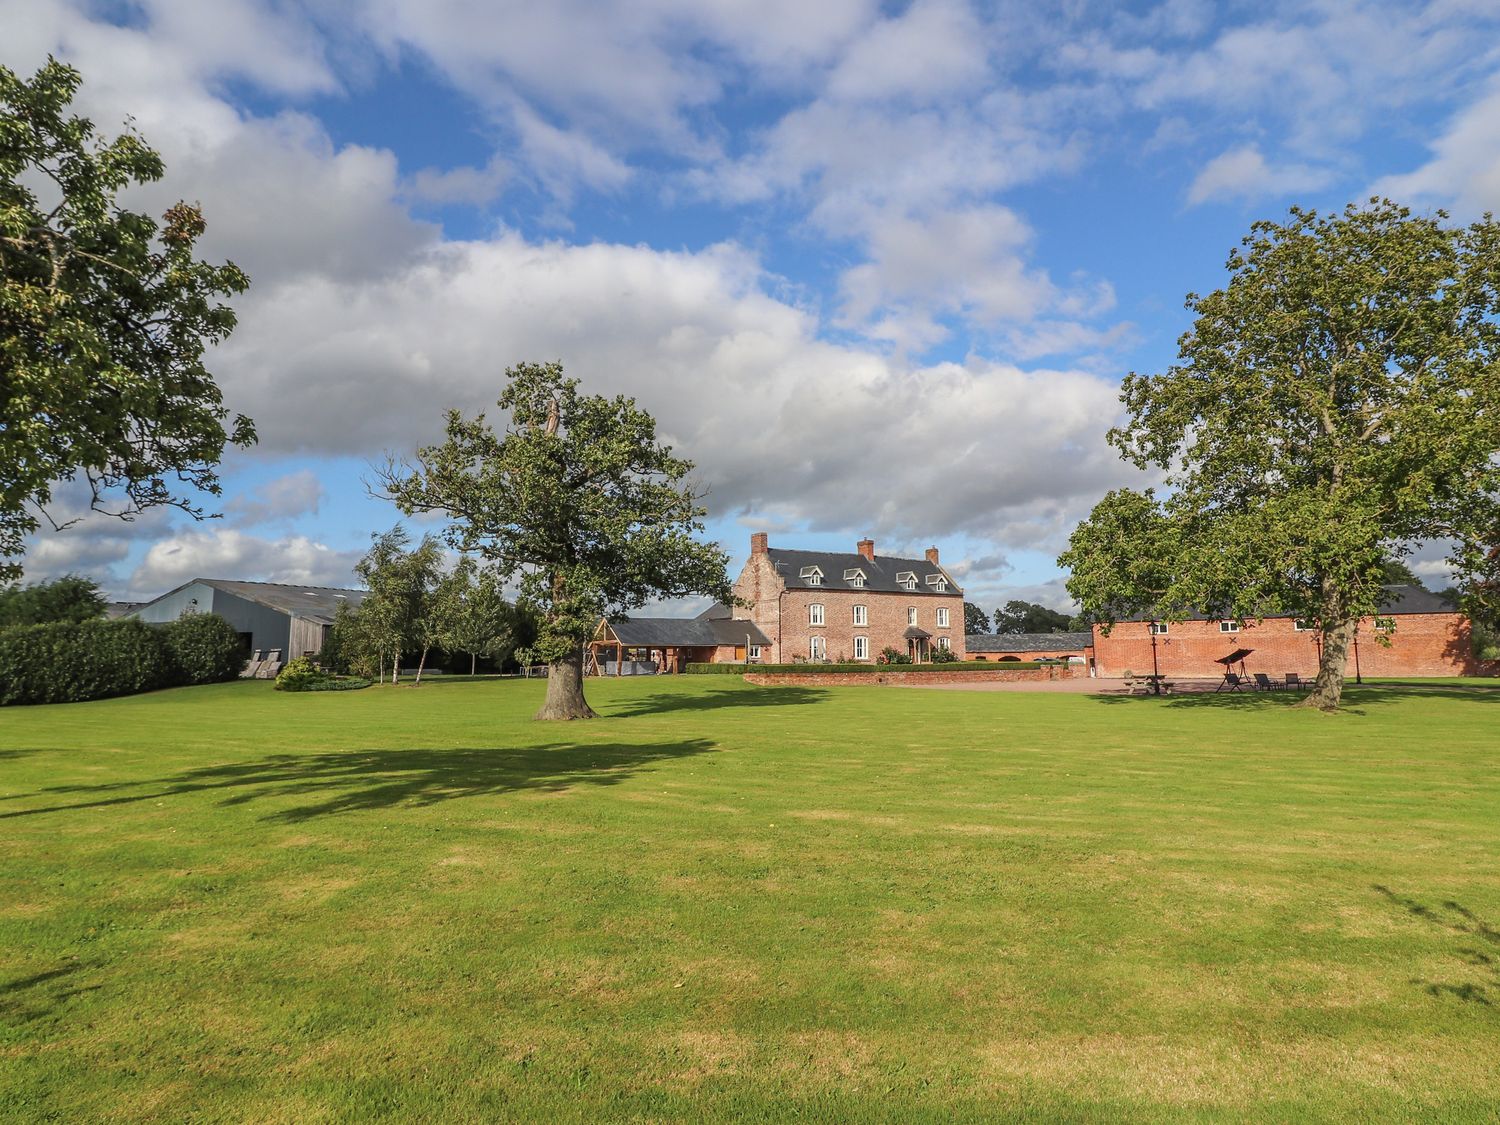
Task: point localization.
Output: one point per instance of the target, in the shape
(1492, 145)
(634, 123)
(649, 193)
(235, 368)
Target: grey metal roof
(1026, 642)
(686, 632)
(716, 612)
(313, 603)
(880, 572)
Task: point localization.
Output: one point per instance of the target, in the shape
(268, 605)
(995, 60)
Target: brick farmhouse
(801, 606)
(1418, 634)
(819, 605)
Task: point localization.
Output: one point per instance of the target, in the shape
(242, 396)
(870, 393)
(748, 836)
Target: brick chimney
(866, 547)
(759, 542)
(932, 556)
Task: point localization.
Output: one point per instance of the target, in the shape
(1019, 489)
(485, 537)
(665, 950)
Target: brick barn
(1075, 648)
(820, 605)
(645, 645)
(1426, 638)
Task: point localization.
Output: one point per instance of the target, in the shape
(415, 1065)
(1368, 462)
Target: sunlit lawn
(724, 902)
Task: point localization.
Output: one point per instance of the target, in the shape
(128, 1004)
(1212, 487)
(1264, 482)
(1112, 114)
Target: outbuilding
(267, 615)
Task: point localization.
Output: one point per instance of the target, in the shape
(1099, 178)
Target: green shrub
(302, 674)
(69, 662)
(204, 649)
(944, 656)
(889, 655)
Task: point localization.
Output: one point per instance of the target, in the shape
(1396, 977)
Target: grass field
(723, 902)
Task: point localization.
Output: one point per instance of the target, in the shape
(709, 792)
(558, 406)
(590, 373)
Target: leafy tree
(395, 616)
(104, 318)
(69, 598)
(1029, 617)
(1396, 572)
(472, 613)
(975, 619)
(577, 502)
(1337, 401)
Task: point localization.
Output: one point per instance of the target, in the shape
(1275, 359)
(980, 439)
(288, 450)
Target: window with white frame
(755, 652)
(1159, 628)
(911, 615)
(815, 613)
(861, 648)
(943, 617)
(812, 575)
(861, 615)
(943, 643)
(1229, 626)
(1303, 625)
(855, 578)
(817, 648)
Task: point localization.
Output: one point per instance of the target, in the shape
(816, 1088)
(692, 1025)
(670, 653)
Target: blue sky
(877, 268)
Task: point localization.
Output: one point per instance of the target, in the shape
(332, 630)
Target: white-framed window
(1229, 626)
(861, 615)
(858, 580)
(815, 613)
(755, 652)
(855, 578)
(1303, 625)
(1159, 628)
(907, 580)
(812, 575)
(943, 643)
(911, 615)
(943, 617)
(817, 648)
(861, 648)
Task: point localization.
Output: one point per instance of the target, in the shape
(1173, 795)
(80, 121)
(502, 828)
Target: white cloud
(294, 494)
(1465, 165)
(1242, 173)
(227, 553)
(935, 47)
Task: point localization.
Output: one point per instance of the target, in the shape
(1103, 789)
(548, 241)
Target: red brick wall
(896, 676)
(1049, 654)
(1422, 644)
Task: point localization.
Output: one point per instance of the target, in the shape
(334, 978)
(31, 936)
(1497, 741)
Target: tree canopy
(1029, 617)
(104, 318)
(577, 503)
(69, 598)
(975, 619)
(1337, 402)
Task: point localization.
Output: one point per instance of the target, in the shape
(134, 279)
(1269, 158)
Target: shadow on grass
(713, 700)
(1456, 918)
(357, 780)
(30, 998)
(1354, 696)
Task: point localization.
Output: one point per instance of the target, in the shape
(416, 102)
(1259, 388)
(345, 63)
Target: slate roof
(880, 572)
(313, 603)
(1026, 642)
(686, 632)
(1399, 599)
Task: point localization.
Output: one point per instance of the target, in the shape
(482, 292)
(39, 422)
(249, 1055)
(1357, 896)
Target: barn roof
(1398, 599)
(880, 572)
(1026, 642)
(314, 603)
(685, 632)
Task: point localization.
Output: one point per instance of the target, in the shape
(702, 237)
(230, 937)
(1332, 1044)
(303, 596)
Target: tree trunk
(1328, 690)
(565, 690)
(421, 664)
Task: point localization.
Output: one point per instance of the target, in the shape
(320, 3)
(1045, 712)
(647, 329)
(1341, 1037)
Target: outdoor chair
(1294, 680)
(1231, 682)
(1264, 682)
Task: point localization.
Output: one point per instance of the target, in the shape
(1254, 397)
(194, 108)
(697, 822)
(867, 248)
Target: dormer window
(938, 583)
(855, 578)
(812, 575)
(907, 580)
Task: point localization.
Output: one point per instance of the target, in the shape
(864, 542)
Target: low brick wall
(897, 676)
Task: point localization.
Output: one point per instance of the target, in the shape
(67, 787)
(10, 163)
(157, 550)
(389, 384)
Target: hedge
(868, 669)
(70, 662)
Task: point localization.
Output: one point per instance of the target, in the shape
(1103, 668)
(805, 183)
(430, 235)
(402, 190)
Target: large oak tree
(104, 318)
(1337, 402)
(577, 502)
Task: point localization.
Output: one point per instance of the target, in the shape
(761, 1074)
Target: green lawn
(723, 902)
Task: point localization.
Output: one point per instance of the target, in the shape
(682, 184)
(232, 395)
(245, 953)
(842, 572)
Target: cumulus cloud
(286, 497)
(1465, 164)
(1242, 173)
(228, 553)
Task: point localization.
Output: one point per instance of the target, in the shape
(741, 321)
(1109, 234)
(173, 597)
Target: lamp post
(1357, 678)
(1155, 670)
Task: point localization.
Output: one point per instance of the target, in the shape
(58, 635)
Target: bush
(302, 674)
(204, 649)
(944, 656)
(70, 662)
(889, 655)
